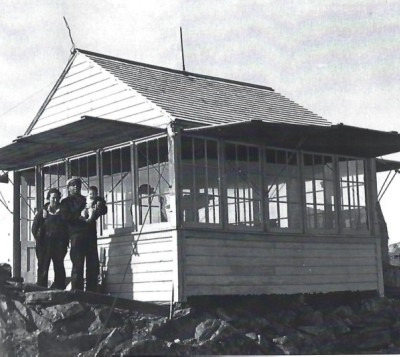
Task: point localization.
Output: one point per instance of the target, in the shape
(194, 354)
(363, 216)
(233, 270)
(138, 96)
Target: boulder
(146, 347)
(188, 311)
(53, 344)
(181, 327)
(289, 344)
(206, 329)
(344, 311)
(376, 306)
(24, 343)
(224, 331)
(76, 323)
(370, 341)
(114, 338)
(41, 323)
(12, 317)
(60, 312)
(106, 317)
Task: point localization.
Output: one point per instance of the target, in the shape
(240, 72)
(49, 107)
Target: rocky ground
(65, 323)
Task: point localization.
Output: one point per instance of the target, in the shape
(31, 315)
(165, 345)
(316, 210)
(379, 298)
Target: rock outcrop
(67, 323)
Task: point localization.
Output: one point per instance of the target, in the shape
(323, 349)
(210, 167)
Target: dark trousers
(47, 251)
(84, 247)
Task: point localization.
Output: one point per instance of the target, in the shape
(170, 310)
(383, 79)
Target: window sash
(200, 182)
(117, 187)
(153, 182)
(328, 191)
(319, 187)
(282, 175)
(353, 203)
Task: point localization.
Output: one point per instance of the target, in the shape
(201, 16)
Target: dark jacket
(52, 227)
(71, 208)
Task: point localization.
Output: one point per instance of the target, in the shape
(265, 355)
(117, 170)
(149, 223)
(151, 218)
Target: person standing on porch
(50, 232)
(95, 207)
(71, 208)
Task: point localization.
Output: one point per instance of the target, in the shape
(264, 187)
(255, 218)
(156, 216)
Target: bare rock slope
(68, 323)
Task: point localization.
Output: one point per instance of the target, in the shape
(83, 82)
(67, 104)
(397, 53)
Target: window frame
(135, 166)
(237, 227)
(222, 187)
(63, 189)
(28, 202)
(368, 209)
(325, 231)
(111, 208)
(282, 230)
(191, 224)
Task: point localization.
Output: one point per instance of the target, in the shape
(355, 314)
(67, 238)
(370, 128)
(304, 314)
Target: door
(27, 213)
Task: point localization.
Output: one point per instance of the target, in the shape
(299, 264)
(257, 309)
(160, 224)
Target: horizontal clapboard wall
(246, 264)
(146, 275)
(87, 89)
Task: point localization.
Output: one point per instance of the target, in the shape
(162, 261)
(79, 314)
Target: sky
(339, 59)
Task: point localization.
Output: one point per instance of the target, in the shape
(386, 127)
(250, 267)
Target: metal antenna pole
(183, 55)
(70, 35)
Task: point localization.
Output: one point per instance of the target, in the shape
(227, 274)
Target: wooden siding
(246, 264)
(146, 276)
(88, 89)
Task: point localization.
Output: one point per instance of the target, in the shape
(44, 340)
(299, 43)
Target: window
(117, 187)
(152, 182)
(280, 190)
(283, 190)
(319, 186)
(55, 176)
(243, 186)
(352, 194)
(85, 167)
(200, 191)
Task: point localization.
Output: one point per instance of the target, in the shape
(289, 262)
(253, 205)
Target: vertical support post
(174, 149)
(17, 226)
(99, 184)
(174, 143)
(338, 193)
(135, 185)
(263, 191)
(39, 187)
(381, 285)
(99, 170)
(223, 185)
(372, 200)
(372, 195)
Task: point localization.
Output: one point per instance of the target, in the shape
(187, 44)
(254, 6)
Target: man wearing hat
(71, 208)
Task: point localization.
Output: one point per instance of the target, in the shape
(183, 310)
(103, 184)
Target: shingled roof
(204, 99)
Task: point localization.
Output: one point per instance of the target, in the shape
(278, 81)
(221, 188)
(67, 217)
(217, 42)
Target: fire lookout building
(213, 187)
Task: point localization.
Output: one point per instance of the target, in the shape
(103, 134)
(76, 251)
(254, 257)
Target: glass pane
(153, 180)
(243, 185)
(282, 178)
(320, 190)
(117, 186)
(353, 201)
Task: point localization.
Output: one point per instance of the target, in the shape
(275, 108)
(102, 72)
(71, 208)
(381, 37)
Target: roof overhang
(335, 139)
(81, 136)
(383, 165)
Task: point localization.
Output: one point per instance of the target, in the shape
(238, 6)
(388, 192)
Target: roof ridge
(176, 71)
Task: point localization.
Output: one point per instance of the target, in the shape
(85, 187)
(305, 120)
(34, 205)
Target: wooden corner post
(17, 226)
(174, 150)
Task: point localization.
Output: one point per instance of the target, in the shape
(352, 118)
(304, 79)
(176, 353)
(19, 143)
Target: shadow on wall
(117, 266)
